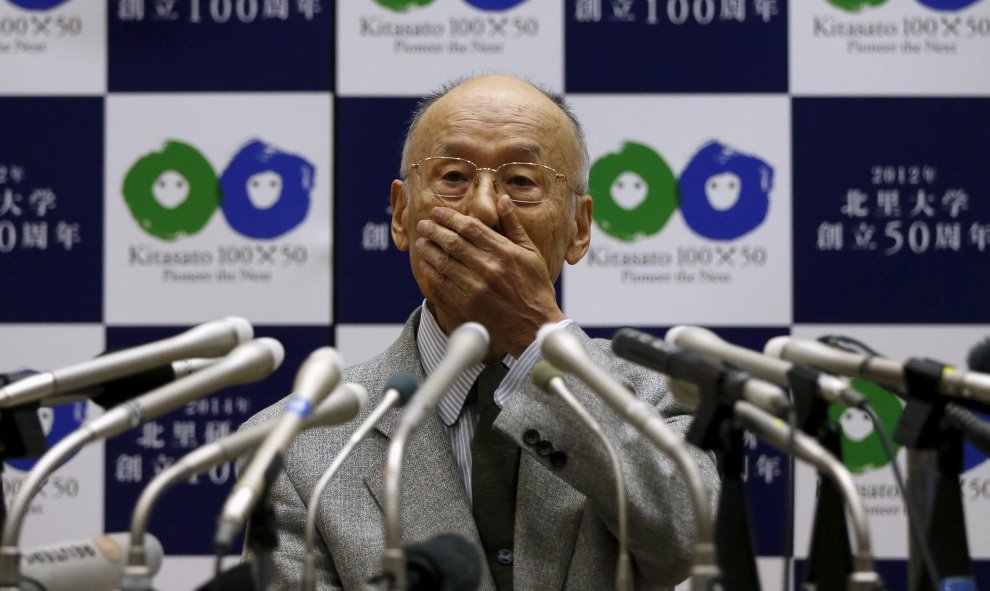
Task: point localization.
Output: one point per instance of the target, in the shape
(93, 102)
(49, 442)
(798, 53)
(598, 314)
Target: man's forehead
(515, 150)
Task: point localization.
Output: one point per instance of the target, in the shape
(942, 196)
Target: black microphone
(446, 562)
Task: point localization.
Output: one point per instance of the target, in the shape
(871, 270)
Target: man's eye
(454, 176)
(520, 181)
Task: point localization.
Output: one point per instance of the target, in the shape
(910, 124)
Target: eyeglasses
(453, 179)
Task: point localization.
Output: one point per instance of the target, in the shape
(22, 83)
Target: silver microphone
(398, 390)
(343, 404)
(708, 344)
(466, 346)
(247, 363)
(967, 385)
(549, 379)
(777, 433)
(317, 376)
(563, 349)
(211, 339)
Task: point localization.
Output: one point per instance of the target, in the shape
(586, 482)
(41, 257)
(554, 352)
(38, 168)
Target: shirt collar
(432, 345)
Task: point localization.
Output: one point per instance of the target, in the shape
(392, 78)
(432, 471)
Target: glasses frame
(477, 177)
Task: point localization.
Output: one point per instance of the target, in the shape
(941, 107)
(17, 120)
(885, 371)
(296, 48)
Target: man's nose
(482, 203)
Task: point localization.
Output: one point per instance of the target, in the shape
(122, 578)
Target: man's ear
(582, 232)
(399, 203)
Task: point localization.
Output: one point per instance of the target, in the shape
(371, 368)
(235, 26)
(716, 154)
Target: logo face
(725, 194)
(862, 450)
(635, 192)
(402, 5)
(37, 4)
(722, 194)
(263, 192)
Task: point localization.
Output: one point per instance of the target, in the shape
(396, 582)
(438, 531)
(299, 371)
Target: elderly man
(491, 202)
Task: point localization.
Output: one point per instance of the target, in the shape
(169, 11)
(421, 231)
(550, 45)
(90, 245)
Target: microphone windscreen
(403, 383)
(447, 562)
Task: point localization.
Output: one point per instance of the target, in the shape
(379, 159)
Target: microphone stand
(714, 428)
(829, 555)
(922, 427)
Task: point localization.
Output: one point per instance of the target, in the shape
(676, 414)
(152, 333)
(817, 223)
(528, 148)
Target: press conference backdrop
(758, 167)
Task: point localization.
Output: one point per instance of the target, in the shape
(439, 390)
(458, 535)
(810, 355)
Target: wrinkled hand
(477, 274)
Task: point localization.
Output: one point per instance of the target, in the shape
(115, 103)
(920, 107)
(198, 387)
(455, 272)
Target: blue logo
(266, 191)
(725, 194)
(496, 5)
(37, 4)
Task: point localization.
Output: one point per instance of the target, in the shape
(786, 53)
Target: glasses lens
(525, 182)
(450, 178)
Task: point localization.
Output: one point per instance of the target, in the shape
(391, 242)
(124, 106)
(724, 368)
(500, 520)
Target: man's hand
(499, 280)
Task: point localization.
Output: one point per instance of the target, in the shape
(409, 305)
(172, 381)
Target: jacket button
(531, 436)
(544, 448)
(558, 459)
(504, 556)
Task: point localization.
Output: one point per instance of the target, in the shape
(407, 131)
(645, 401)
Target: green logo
(402, 5)
(862, 450)
(635, 192)
(172, 193)
(855, 5)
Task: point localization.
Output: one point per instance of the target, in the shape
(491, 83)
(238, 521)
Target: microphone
(112, 393)
(211, 339)
(398, 390)
(247, 363)
(94, 563)
(466, 346)
(777, 433)
(966, 386)
(563, 349)
(343, 404)
(549, 379)
(708, 345)
(317, 376)
(446, 562)
(681, 365)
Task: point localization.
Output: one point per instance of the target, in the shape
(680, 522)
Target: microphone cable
(852, 345)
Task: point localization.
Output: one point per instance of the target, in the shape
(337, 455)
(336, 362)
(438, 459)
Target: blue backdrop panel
(51, 213)
(376, 285)
(895, 184)
(692, 47)
(185, 518)
(245, 45)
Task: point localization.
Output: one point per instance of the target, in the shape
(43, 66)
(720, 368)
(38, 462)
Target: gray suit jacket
(565, 517)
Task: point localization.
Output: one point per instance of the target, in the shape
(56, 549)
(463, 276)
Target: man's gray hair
(580, 183)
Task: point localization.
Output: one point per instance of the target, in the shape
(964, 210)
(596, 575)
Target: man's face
(490, 122)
